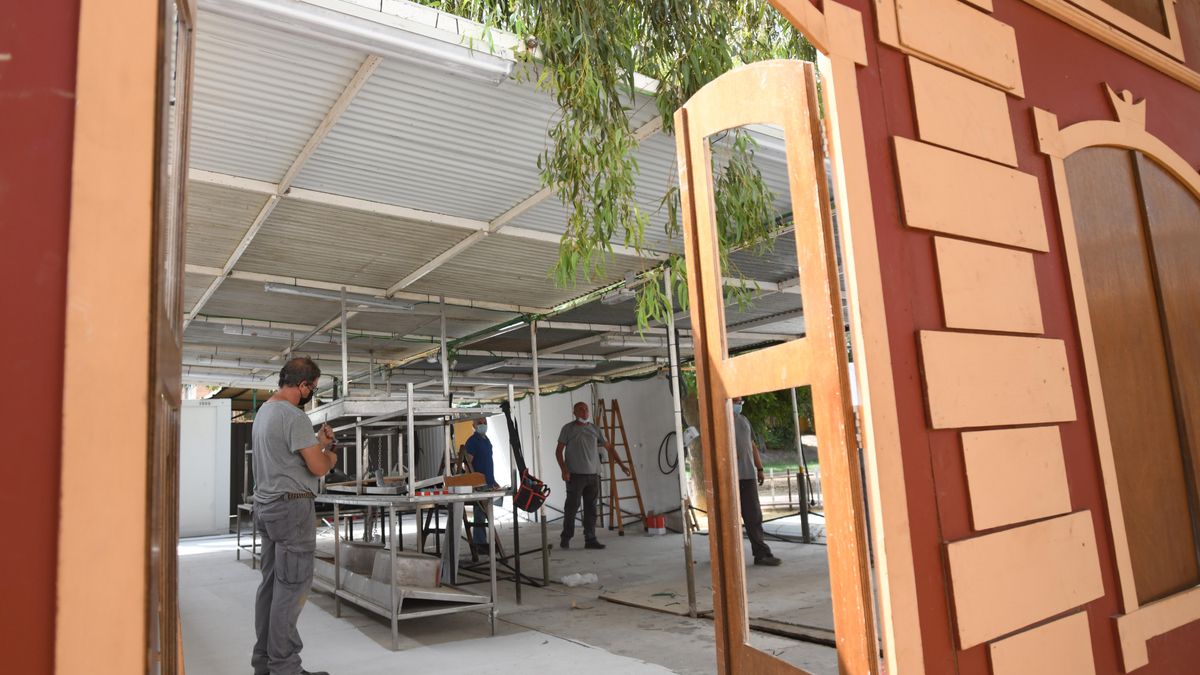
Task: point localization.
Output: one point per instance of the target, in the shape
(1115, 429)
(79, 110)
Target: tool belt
(531, 494)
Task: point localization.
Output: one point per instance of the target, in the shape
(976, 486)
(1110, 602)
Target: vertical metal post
(358, 457)
(512, 404)
(685, 502)
(392, 515)
(410, 439)
(536, 436)
(345, 353)
(391, 455)
(801, 485)
(337, 560)
(445, 388)
(371, 372)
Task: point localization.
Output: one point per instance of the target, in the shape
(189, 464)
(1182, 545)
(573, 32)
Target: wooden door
(164, 652)
(1138, 231)
(781, 93)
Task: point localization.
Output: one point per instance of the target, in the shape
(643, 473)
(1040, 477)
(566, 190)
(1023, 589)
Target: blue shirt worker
(478, 454)
(579, 458)
(288, 460)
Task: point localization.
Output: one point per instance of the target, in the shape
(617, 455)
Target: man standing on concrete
(750, 476)
(580, 466)
(288, 461)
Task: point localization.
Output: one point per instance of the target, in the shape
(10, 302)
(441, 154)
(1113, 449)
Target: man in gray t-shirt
(750, 476)
(578, 455)
(288, 461)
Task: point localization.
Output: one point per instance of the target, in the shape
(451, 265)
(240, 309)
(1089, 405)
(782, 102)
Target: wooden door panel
(1133, 368)
(1173, 216)
(780, 93)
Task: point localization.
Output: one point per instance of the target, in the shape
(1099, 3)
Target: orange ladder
(609, 419)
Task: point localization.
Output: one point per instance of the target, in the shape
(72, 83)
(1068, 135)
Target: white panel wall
(204, 428)
(647, 411)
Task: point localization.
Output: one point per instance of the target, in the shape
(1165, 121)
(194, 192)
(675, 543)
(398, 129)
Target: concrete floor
(555, 630)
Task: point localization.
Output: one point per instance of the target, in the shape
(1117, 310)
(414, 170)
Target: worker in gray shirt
(289, 459)
(750, 476)
(578, 457)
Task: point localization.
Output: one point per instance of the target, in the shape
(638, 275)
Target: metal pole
(512, 404)
(445, 387)
(345, 353)
(412, 447)
(358, 458)
(681, 465)
(537, 450)
(805, 533)
(371, 372)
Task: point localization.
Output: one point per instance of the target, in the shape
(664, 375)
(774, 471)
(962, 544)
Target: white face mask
(737, 408)
(481, 429)
(581, 420)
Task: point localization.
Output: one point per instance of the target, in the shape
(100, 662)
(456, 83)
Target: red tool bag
(532, 492)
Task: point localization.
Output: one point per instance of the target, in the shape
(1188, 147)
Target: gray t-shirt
(280, 431)
(745, 452)
(582, 441)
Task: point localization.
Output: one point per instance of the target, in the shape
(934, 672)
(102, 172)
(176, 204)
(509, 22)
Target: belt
(298, 495)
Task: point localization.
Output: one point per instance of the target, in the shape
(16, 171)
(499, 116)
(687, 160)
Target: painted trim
(1170, 44)
(1138, 622)
(104, 468)
(898, 614)
(1101, 30)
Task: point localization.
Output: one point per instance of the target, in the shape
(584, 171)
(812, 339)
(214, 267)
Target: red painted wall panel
(37, 84)
(1063, 71)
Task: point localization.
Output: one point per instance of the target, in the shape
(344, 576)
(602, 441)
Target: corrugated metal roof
(340, 245)
(194, 286)
(259, 94)
(217, 219)
(244, 299)
(420, 138)
(501, 268)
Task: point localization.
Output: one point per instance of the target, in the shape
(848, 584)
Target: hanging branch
(586, 53)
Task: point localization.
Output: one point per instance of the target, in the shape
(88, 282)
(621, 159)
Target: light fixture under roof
(357, 300)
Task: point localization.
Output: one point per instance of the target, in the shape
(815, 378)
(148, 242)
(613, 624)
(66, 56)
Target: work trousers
(752, 517)
(584, 486)
(288, 534)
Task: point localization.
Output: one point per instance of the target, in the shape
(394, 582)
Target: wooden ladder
(609, 419)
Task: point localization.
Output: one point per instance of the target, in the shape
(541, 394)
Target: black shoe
(318, 672)
(594, 544)
(564, 543)
(769, 561)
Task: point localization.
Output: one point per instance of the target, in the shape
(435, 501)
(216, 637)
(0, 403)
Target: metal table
(395, 504)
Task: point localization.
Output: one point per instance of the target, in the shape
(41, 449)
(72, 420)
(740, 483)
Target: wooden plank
(1011, 579)
(1062, 646)
(960, 113)
(957, 194)
(976, 380)
(962, 38)
(987, 287)
(1141, 414)
(1014, 475)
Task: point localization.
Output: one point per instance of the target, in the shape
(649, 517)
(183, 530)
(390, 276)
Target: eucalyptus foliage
(586, 54)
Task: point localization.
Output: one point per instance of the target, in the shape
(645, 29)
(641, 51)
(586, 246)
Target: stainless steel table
(457, 600)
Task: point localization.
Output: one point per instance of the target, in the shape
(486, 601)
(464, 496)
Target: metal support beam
(685, 502)
(805, 533)
(536, 413)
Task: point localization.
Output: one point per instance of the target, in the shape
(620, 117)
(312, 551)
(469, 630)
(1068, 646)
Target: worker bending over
(750, 476)
(288, 460)
(580, 463)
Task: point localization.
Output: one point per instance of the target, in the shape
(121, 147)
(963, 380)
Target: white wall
(647, 411)
(204, 428)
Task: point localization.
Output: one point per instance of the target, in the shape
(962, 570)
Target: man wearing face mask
(478, 454)
(288, 461)
(580, 463)
(750, 476)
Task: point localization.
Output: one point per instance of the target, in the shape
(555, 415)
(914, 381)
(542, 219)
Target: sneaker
(564, 543)
(769, 561)
(594, 544)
